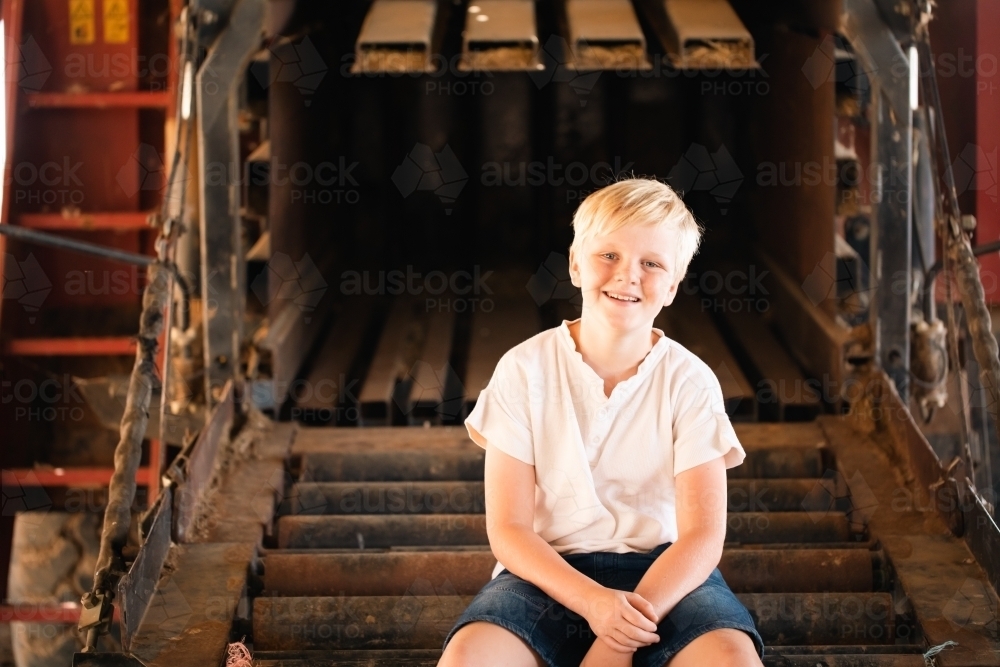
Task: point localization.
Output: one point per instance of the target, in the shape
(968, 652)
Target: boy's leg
(485, 644)
(725, 647)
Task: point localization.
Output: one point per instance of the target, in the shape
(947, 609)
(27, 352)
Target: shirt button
(595, 439)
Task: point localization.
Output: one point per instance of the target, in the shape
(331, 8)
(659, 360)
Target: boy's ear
(672, 294)
(572, 268)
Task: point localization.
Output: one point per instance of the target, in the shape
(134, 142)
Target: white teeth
(621, 298)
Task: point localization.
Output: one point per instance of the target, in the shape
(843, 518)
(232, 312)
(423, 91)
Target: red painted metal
(121, 221)
(12, 12)
(130, 99)
(55, 347)
(988, 141)
(99, 65)
(67, 612)
(64, 477)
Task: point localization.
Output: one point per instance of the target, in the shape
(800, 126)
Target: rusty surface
(248, 482)
(794, 619)
(386, 658)
(758, 571)
(416, 465)
(429, 658)
(382, 438)
(135, 589)
(201, 464)
(193, 605)
(780, 462)
(381, 530)
(385, 530)
(422, 619)
(779, 495)
(803, 570)
(772, 495)
(772, 527)
(394, 466)
(937, 575)
(387, 498)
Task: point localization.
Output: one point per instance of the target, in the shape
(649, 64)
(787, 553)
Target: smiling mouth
(620, 300)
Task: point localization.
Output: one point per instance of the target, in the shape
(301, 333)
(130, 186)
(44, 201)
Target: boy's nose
(627, 275)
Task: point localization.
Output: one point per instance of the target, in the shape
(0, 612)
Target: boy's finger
(642, 636)
(639, 620)
(645, 606)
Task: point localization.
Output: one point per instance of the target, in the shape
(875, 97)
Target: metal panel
(135, 589)
(396, 36)
(702, 34)
(223, 273)
(200, 464)
(500, 35)
(605, 34)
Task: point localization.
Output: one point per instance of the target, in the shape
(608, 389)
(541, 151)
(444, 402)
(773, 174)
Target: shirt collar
(657, 351)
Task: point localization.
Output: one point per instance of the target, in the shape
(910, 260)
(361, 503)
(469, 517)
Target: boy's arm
(510, 512)
(701, 532)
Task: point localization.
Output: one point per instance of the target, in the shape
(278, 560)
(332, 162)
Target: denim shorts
(562, 637)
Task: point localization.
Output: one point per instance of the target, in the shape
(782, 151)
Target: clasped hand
(625, 621)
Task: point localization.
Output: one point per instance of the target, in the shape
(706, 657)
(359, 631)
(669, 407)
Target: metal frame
(396, 36)
(891, 261)
(685, 25)
(500, 35)
(605, 34)
(223, 272)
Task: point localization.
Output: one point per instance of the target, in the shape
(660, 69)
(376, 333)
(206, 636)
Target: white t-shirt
(604, 467)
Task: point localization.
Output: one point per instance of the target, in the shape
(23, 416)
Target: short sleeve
(702, 430)
(501, 413)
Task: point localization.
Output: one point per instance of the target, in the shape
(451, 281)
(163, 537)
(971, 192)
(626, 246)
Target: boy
(606, 450)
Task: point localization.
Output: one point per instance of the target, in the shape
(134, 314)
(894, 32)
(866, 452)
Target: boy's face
(634, 261)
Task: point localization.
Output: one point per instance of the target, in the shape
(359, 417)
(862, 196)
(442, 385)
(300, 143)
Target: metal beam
(888, 68)
(223, 272)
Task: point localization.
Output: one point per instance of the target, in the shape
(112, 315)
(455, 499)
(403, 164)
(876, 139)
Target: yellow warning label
(116, 21)
(81, 21)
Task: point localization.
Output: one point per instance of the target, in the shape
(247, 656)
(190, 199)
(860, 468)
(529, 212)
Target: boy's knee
(461, 649)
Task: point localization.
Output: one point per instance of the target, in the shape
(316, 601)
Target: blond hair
(638, 201)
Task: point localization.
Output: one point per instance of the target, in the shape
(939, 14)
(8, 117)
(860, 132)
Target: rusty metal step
(768, 495)
(385, 530)
(385, 658)
(465, 572)
(393, 466)
(386, 498)
(430, 657)
(423, 621)
(435, 465)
